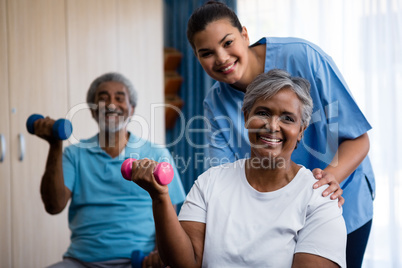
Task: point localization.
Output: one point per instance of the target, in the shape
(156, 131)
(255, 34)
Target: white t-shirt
(247, 228)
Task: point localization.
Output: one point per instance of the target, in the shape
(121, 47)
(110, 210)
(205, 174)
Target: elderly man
(109, 217)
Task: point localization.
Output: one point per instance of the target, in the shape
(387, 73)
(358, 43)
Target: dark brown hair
(209, 12)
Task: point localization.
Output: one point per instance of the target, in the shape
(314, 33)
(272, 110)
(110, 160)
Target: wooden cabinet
(50, 51)
(34, 62)
(5, 163)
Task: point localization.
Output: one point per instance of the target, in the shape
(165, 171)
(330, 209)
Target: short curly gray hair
(268, 84)
(114, 77)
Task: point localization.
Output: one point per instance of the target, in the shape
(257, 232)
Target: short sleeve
(194, 208)
(344, 117)
(68, 168)
(324, 232)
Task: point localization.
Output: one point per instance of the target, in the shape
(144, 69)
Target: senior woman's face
(274, 125)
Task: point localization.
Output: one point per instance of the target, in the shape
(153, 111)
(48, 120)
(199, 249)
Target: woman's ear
(245, 113)
(244, 33)
(300, 136)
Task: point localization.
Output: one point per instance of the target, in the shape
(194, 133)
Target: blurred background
(51, 50)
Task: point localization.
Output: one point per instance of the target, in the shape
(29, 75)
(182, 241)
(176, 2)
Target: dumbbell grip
(137, 257)
(61, 129)
(163, 172)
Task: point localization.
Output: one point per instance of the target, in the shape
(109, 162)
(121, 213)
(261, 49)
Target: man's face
(113, 106)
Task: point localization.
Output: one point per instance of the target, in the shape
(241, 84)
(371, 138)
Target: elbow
(54, 201)
(53, 207)
(53, 210)
(366, 141)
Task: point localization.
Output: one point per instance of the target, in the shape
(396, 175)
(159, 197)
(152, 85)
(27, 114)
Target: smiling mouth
(113, 113)
(270, 140)
(229, 68)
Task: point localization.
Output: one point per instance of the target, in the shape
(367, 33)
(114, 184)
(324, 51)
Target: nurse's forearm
(349, 156)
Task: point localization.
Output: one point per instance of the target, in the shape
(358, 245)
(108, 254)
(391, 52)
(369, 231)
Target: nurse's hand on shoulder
(334, 189)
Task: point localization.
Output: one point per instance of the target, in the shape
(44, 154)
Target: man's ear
(132, 110)
(93, 110)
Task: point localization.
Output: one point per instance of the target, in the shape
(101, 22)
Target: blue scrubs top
(336, 117)
(109, 217)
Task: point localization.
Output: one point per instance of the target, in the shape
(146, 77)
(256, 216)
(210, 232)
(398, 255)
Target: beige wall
(50, 51)
(121, 35)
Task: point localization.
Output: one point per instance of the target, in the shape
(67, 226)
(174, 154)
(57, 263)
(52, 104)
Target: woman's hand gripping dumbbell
(163, 171)
(60, 129)
(151, 176)
(152, 260)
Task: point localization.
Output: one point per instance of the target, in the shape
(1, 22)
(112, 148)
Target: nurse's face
(275, 125)
(223, 51)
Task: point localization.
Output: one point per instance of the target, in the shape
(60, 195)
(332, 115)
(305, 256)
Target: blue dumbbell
(137, 256)
(61, 129)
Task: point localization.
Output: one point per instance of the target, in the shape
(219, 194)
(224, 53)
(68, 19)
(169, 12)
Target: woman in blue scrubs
(335, 145)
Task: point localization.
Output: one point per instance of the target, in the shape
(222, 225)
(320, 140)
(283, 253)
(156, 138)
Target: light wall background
(50, 52)
(364, 37)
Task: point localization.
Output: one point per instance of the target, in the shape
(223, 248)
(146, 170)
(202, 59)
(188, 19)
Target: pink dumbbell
(163, 172)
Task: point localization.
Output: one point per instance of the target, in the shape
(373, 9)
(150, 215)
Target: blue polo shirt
(109, 217)
(336, 117)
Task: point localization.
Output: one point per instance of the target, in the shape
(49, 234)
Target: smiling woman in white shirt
(256, 212)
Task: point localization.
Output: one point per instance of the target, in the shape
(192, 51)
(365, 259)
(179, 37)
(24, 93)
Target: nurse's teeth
(227, 68)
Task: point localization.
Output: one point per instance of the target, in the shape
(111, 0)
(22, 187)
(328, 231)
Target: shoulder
(314, 196)
(220, 90)
(298, 49)
(304, 181)
(221, 176)
(294, 42)
(305, 176)
(226, 168)
(83, 145)
(222, 99)
(145, 148)
(216, 90)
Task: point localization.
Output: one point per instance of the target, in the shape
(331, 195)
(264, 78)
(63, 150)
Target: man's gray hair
(112, 77)
(268, 84)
